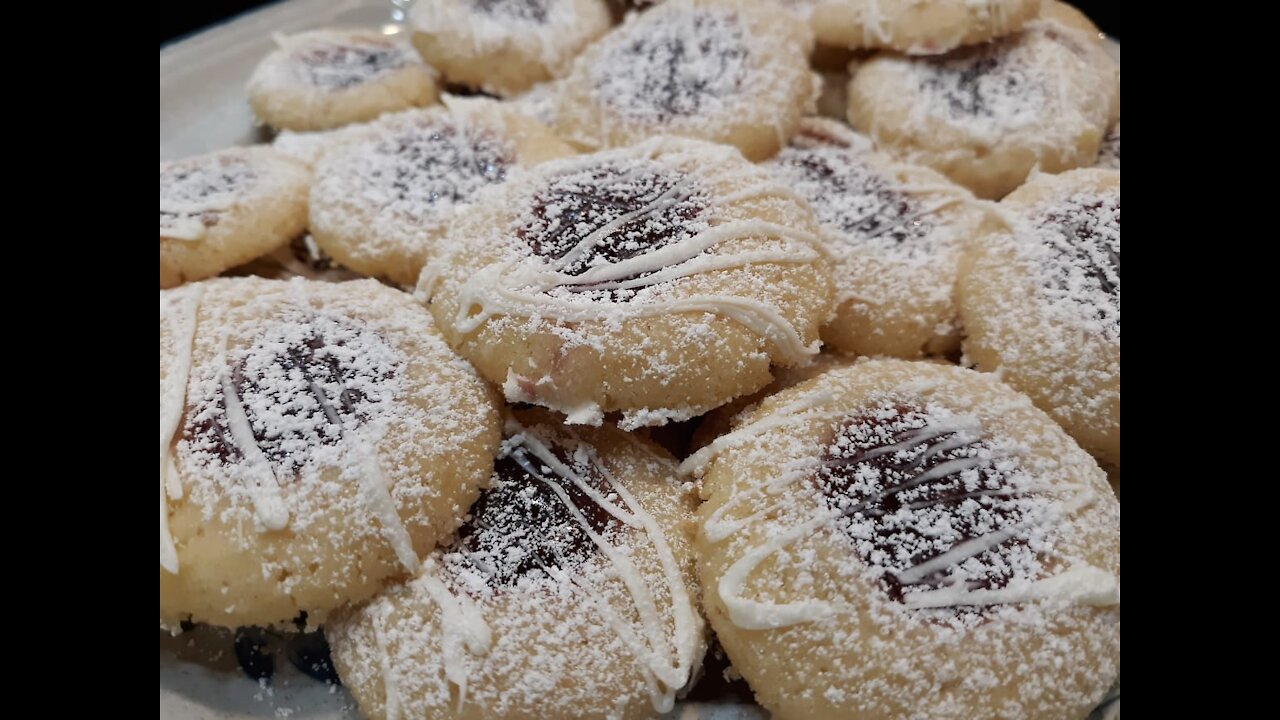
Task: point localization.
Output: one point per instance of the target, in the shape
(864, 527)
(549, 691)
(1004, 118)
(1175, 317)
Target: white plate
(203, 108)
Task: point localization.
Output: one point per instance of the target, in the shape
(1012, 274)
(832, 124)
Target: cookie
(730, 71)
(901, 539)
(316, 439)
(658, 281)
(381, 200)
(897, 233)
(324, 79)
(1040, 302)
(226, 208)
(985, 116)
(914, 27)
(569, 593)
(504, 47)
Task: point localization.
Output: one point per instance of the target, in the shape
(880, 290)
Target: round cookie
(986, 116)
(325, 79)
(316, 439)
(730, 71)
(382, 199)
(1109, 154)
(569, 593)
(1040, 302)
(226, 208)
(659, 280)
(504, 47)
(901, 539)
(914, 27)
(897, 233)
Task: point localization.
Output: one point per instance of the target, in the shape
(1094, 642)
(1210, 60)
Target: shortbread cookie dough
(226, 208)
(917, 28)
(659, 281)
(568, 593)
(902, 539)
(505, 46)
(986, 116)
(897, 233)
(380, 201)
(1040, 302)
(730, 71)
(316, 440)
(325, 79)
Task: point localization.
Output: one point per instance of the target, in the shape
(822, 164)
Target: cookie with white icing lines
(903, 539)
(316, 440)
(325, 79)
(226, 208)
(1040, 302)
(897, 233)
(658, 281)
(504, 47)
(730, 71)
(382, 200)
(985, 116)
(569, 592)
(917, 28)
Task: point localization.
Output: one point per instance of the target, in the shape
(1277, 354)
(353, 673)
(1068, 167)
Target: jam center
(849, 196)
(440, 164)
(203, 189)
(534, 11)
(675, 69)
(1082, 238)
(303, 386)
(336, 67)
(610, 213)
(914, 488)
(521, 525)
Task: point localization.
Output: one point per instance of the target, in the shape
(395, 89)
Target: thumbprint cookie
(568, 592)
(659, 281)
(904, 539)
(505, 46)
(316, 440)
(897, 233)
(730, 71)
(325, 79)
(985, 116)
(1040, 302)
(226, 208)
(383, 198)
(914, 27)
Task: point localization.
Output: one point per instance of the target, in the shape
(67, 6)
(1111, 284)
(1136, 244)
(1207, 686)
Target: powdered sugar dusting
(410, 173)
(990, 87)
(915, 486)
(1077, 253)
(656, 71)
(194, 193)
(857, 204)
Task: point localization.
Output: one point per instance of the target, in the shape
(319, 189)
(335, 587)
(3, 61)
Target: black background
(181, 18)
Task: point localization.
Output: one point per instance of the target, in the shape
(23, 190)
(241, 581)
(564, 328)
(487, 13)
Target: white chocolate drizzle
(173, 398)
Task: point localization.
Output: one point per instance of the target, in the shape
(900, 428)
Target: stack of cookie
(545, 336)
